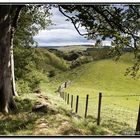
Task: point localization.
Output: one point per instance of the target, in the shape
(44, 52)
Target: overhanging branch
(73, 22)
(17, 15)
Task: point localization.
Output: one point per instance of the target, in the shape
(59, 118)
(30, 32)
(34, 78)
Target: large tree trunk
(13, 29)
(12, 72)
(6, 96)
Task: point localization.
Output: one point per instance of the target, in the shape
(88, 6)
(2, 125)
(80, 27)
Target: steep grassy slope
(106, 76)
(103, 75)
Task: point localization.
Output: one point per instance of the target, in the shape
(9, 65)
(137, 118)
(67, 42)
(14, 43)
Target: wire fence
(111, 114)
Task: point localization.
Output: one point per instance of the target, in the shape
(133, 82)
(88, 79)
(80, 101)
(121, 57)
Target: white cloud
(107, 43)
(65, 44)
(61, 33)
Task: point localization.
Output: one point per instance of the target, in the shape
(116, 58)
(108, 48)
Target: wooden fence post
(77, 100)
(68, 99)
(138, 123)
(99, 108)
(71, 101)
(65, 96)
(65, 84)
(62, 95)
(86, 109)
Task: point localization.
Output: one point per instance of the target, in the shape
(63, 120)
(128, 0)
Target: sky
(62, 33)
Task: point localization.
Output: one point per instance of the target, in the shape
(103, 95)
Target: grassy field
(57, 120)
(106, 76)
(73, 48)
(118, 114)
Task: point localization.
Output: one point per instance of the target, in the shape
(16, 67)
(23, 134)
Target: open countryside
(59, 81)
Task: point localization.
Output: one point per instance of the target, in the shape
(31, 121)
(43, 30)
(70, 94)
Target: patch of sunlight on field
(120, 94)
(107, 76)
(73, 48)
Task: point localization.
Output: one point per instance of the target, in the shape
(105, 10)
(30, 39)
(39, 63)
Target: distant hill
(64, 46)
(49, 46)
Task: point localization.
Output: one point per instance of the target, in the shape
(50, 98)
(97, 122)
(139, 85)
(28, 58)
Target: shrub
(52, 73)
(100, 54)
(31, 65)
(81, 60)
(34, 79)
(22, 86)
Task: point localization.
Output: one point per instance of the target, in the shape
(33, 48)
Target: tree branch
(72, 21)
(16, 17)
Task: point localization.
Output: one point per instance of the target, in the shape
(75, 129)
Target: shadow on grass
(24, 105)
(22, 120)
(10, 126)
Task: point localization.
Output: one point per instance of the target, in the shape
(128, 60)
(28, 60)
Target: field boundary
(109, 112)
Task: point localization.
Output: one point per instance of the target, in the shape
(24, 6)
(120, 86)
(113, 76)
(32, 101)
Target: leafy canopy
(119, 22)
(33, 18)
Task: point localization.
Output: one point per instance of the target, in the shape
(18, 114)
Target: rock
(45, 109)
(40, 96)
(40, 108)
(38, 91)
(46, 97)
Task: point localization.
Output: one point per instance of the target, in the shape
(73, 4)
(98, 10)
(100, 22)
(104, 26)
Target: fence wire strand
(111, 112)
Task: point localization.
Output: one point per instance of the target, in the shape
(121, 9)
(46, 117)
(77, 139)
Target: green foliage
(34, 79)
(120, 23)
(98, 43)
(55, 61)
(23, 58)
(48, 60)
(52, 73)
(81, 60)
(32, 65)
(98, 54)
(22, 86)
(32, 19)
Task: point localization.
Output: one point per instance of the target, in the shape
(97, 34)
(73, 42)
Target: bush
(81, 60)
(71, 56)
(22, 86)
(52, 73)
(34, 79)
(31, 65)
(100, 54)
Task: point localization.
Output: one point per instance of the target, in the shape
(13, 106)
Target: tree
(9, 15)
(33, 18)
(120, 22)
(8, 20)
(98, 43)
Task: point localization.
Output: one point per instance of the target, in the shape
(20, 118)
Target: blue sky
(62, 33)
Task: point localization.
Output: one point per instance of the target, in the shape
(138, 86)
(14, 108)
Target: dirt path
(55, 122)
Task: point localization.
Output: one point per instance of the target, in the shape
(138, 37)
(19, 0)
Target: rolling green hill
(106, 76)
(74, 48)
